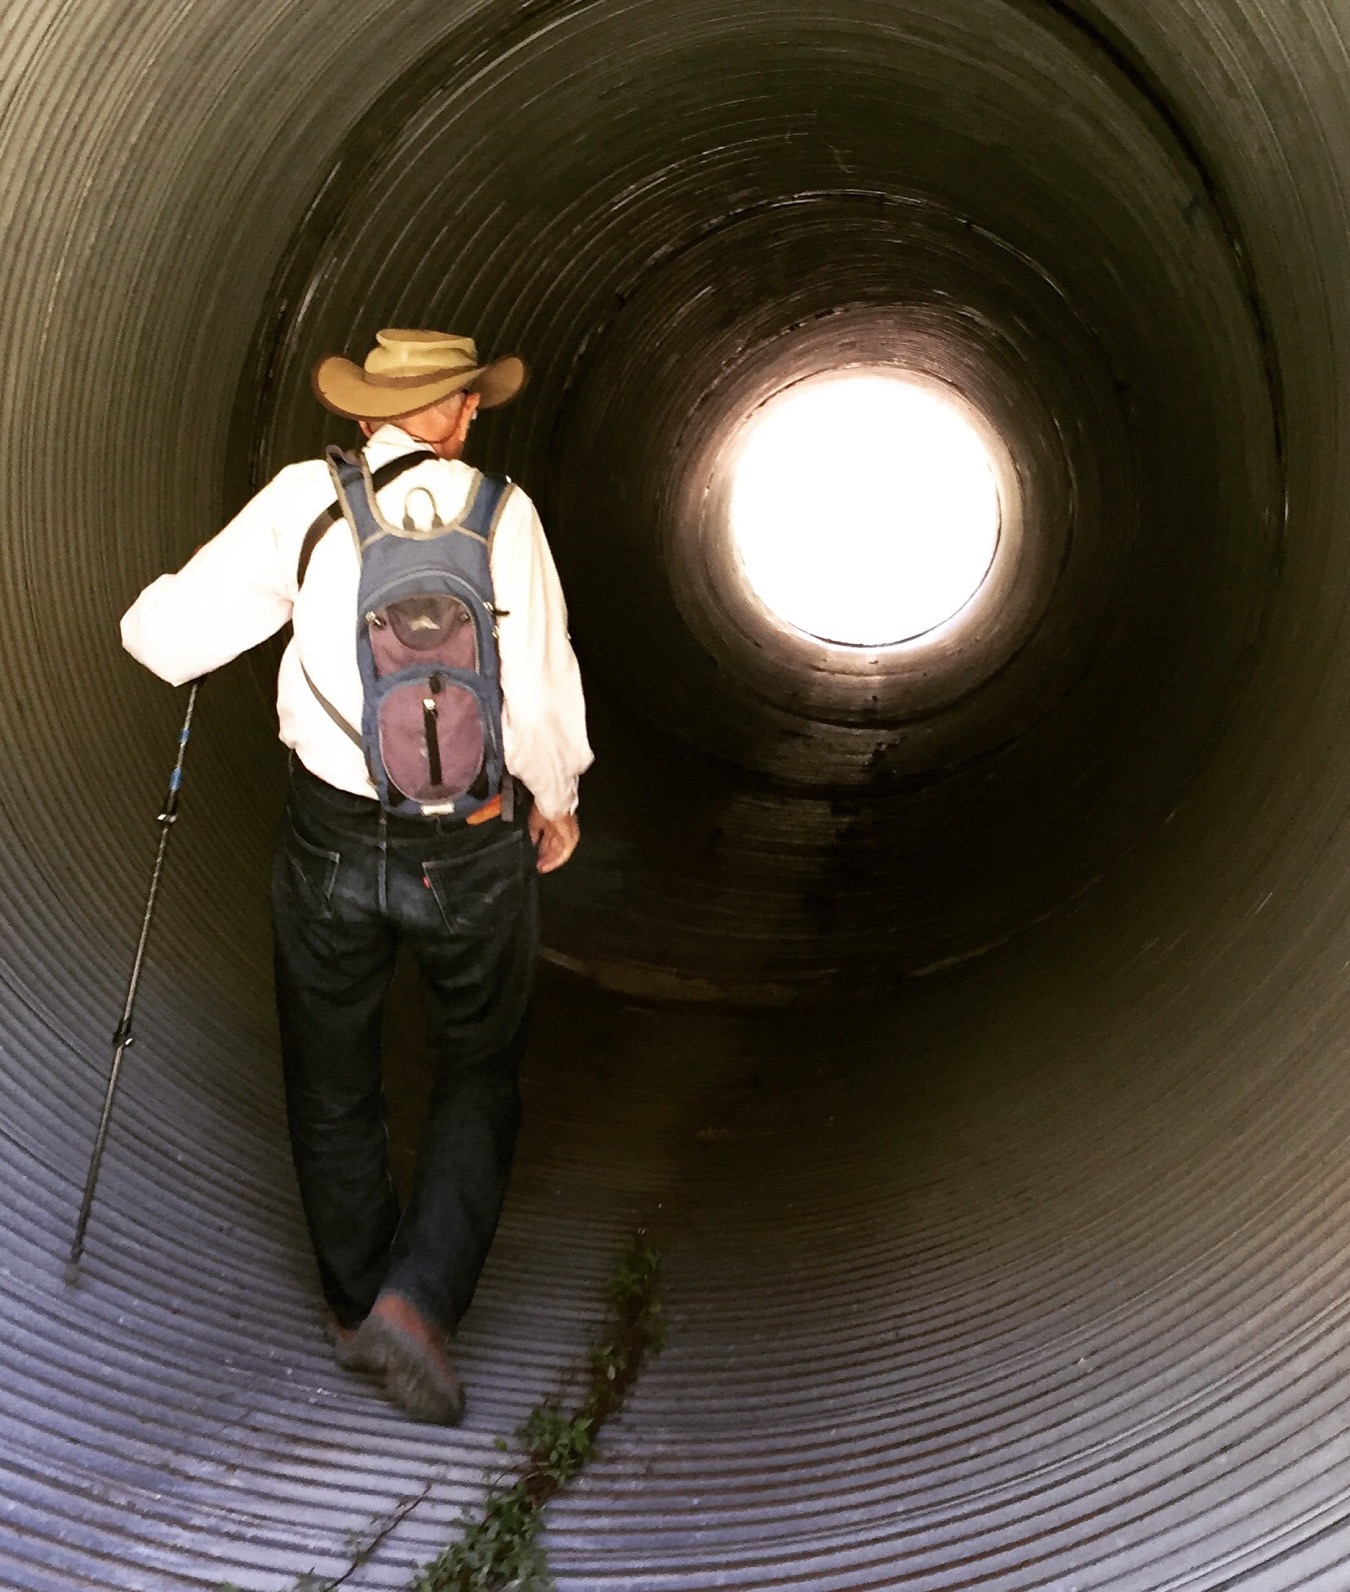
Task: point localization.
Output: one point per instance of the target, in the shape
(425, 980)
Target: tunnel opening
(864, 509)
(961, 1018)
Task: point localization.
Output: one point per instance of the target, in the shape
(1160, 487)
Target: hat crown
(399, 352)
(408, 370)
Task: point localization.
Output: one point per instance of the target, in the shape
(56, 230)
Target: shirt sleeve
(231, 594)
(544, 711)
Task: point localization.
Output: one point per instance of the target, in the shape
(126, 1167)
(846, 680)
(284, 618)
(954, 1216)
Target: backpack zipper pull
(429, 718)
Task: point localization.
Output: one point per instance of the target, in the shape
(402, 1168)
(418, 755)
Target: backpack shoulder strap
(333, 513)
(486, 502)
(349, 730)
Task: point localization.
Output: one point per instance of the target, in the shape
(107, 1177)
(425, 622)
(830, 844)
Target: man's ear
(368, 427)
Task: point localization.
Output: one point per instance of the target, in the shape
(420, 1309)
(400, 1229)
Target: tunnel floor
(947, 1313)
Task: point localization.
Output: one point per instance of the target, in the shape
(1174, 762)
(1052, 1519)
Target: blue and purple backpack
(426, 644)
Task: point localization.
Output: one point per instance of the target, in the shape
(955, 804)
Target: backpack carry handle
(333, 513)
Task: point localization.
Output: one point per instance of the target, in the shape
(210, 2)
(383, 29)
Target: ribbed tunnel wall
(966, 1023)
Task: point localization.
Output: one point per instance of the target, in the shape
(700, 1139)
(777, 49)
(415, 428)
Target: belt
(492, 809)
(501, 806)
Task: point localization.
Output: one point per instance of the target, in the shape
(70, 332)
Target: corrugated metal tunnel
(966, 1020)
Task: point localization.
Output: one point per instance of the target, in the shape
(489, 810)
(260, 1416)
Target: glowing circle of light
(864, 510)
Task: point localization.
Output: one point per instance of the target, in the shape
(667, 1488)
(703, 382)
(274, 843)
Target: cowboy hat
(411, 370)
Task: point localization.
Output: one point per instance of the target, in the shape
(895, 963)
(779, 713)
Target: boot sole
(347, 1349)
(413, 1376)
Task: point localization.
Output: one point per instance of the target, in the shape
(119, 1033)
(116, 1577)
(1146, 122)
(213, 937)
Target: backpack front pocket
(432, 736)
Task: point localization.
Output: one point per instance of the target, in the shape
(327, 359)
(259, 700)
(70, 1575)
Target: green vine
(500, 1549)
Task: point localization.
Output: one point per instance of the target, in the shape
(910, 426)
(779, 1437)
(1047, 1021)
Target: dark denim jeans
(350, 882)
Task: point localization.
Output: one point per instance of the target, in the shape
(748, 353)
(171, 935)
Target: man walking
(393, 833)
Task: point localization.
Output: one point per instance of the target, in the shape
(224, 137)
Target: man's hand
(555, 839)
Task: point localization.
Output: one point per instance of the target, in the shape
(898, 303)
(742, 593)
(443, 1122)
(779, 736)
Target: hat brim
(346, 389)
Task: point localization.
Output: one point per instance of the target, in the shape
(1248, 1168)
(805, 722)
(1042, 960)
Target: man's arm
(555, 839)
(544, 712)
(231, 594)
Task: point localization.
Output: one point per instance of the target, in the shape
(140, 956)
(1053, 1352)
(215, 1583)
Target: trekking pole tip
(77, 1242)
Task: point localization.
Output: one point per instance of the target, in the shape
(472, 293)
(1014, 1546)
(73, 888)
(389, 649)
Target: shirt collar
(389, 442)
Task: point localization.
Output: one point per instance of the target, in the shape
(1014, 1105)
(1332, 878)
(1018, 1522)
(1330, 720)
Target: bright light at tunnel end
(864, 509)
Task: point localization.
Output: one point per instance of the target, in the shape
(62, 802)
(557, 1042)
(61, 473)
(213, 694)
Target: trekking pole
(123, 1038)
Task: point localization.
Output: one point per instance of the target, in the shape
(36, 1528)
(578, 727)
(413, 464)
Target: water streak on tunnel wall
(965, 1020)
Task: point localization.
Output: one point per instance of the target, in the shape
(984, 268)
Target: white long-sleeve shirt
(240, 588)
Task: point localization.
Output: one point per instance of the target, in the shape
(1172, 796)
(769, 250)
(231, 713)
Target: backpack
(426, 645)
